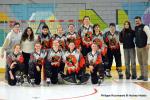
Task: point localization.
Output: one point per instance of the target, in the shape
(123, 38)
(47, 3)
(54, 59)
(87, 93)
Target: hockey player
(86, 32)
(15, 63)
(60, 37)
(94, 63)
(45, 38)
(73, 36)
(54, 63)
(37, 60)
(98, 39)
(74, 70)
(111, 38)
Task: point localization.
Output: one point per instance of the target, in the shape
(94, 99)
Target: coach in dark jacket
(142, 41)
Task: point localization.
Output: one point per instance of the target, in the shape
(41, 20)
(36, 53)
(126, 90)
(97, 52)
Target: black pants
(105, 61)
(26, 61)
(98, 72)
(52, 71)
(18, 67)
(117, 55)
(85, 50)
(77, 75)
(34, 73)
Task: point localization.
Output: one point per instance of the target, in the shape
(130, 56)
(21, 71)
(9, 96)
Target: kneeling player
(15, 64)
(54, 63)
(94, 63)
(74, 70)
(36, 63)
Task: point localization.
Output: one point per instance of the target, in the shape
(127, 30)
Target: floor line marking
(95, 91)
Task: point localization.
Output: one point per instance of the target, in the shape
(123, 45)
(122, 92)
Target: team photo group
(73, 56)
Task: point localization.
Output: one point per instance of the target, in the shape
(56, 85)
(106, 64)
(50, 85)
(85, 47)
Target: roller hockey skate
(48, 81)
(32, 82)
(78, 81)
(19, 78)
(25, 78)
(100, 78)
(120, 73)
(107, 73)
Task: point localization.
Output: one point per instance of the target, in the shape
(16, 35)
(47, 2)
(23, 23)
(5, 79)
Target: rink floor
(111, 89)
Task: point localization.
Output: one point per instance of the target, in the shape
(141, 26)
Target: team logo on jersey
(112, 43)
(18, 59)
(87, 39)
(40, 61)
(71, 62)
(88, 36)
(45, 44)
(55, 61)
(62, 43)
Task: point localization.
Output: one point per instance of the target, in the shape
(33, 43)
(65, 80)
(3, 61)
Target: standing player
(45, 38)
(72, 36)
(85, 33)
(60, 37)
(111, 38)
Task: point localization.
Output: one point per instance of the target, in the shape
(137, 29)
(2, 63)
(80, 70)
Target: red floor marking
(95, 91)
(141, 86)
